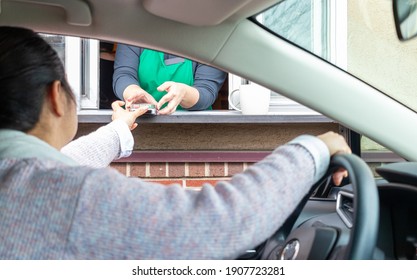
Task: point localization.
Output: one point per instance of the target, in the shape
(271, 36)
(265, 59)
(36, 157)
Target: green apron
(153, 72)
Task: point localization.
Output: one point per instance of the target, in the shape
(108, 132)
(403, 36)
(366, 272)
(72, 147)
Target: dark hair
(28, 66)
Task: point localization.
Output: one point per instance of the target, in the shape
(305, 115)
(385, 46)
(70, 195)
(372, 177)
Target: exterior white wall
(396, 72)
(372, 36)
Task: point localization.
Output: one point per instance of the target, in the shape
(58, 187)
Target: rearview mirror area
(405, 16)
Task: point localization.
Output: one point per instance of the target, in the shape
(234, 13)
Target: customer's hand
(336, 145)
(124, 115)
(135, 94)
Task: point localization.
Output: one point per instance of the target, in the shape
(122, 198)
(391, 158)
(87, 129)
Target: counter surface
(215, 116)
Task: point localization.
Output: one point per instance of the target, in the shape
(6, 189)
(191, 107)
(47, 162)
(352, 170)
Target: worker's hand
(135, 94)
(176, 94)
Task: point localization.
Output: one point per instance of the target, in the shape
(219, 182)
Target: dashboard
(323, 228)
(397, 237)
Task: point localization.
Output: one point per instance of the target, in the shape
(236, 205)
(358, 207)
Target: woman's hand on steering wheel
(336, 145)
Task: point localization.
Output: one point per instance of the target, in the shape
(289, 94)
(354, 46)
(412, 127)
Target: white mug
(253, 98)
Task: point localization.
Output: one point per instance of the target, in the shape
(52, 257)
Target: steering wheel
(317, 240)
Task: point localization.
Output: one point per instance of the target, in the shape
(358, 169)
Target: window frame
(90, 96)
(82, 64)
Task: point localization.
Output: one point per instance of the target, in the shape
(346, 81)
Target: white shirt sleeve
(125, 137)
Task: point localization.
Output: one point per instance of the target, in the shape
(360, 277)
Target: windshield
(358, 36)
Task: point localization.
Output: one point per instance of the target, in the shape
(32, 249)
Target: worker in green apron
(169, 82)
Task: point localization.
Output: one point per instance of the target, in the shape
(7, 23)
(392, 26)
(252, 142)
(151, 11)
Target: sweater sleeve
(126, 65)
(127, 218)
(99, 148)
(208, 81)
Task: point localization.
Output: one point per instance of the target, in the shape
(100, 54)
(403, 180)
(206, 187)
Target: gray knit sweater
(52, 209)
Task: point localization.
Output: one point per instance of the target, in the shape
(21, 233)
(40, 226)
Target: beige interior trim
(205, 12)
(77, 11)
(194, 12)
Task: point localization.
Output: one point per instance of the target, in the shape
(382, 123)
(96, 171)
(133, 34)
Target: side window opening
(89, 63)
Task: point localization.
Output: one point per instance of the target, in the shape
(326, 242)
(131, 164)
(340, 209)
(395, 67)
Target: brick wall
(187, 174)
(187, 168)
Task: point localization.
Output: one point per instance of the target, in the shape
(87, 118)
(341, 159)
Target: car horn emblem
(290, 250)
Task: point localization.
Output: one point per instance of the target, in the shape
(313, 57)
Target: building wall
(372, 35)
(191, 154)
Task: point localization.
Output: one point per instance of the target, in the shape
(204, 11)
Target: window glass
(58, 43)
(345, 33)
(303, 22)
(359, 33)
